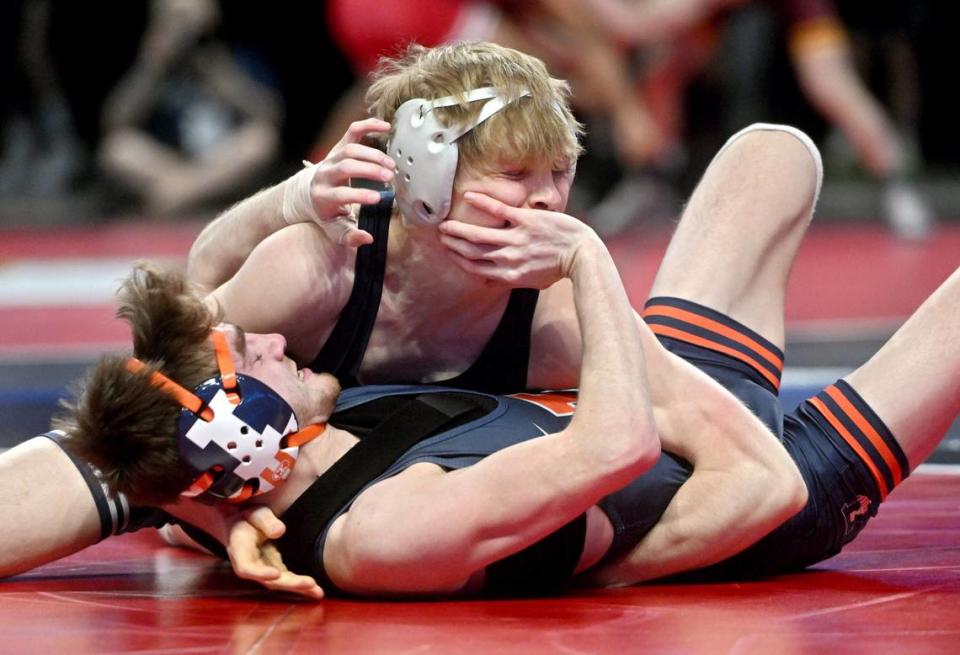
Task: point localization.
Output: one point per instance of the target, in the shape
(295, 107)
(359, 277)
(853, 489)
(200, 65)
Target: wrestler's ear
(213, 305)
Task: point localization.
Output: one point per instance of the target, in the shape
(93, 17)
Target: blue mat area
(29, 397)
(26, 414)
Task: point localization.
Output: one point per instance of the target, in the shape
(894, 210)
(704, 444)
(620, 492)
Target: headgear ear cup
(237, 436)
(243, 440)
(426, 152)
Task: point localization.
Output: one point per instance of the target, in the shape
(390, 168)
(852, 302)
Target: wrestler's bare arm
(736, 458)
(305, 281)
(48, 512)
(224, 244)
(320, 193)
(555, 343)
(743, 485)
(389, 541)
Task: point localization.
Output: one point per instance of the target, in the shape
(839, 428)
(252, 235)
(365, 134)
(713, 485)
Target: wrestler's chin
(326, 389)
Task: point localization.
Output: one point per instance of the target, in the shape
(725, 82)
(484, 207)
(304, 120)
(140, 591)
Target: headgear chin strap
(426, 152)
(238, 436)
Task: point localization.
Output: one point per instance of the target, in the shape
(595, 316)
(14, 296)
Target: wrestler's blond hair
(537, 128)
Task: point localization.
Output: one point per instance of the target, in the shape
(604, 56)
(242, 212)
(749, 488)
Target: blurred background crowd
(118, 109)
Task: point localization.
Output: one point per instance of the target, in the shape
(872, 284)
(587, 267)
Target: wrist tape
(297, 205)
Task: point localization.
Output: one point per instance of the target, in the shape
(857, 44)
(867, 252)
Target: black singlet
(501, 366)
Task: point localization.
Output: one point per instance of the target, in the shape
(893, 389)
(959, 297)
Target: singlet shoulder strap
(414, 421)
(503, 363)
(343, 351)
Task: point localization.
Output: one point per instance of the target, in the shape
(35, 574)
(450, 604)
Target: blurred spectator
(40, 155)
(194, 121)
(554, 30)
(588, 41)
(191, 121)
(882, 40)
(678, 37)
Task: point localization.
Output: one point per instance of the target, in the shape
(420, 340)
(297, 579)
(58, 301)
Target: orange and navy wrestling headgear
(238, 436)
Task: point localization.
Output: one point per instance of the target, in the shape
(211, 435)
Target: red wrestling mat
(843, 272)
(896, 587)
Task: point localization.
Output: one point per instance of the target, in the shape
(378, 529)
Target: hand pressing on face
(531, 248)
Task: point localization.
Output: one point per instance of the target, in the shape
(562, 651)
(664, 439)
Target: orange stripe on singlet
(719, 328)
(853, 443)
(667, 331)
(871, 433)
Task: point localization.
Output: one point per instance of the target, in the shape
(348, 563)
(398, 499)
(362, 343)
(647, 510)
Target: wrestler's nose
(274, 345)
(545, 193)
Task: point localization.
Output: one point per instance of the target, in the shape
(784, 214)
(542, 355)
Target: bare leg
(913, 381)
(736, 242)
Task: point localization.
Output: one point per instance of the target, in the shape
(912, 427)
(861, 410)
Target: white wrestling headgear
(426, 152)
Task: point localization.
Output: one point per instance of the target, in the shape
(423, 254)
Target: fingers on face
(496, 265)
(467, 249)
(479, 234)
(487, 269)
(474, 266)
(492, 206)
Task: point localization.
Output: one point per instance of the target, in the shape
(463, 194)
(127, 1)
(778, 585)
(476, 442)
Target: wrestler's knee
(785, 161)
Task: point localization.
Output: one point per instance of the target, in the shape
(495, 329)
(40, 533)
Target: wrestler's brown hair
(122, 423)
(537, 128)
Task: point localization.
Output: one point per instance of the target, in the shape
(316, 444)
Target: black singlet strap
(307, 517)
(343, 351)
(107, 523)
(502, 366)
